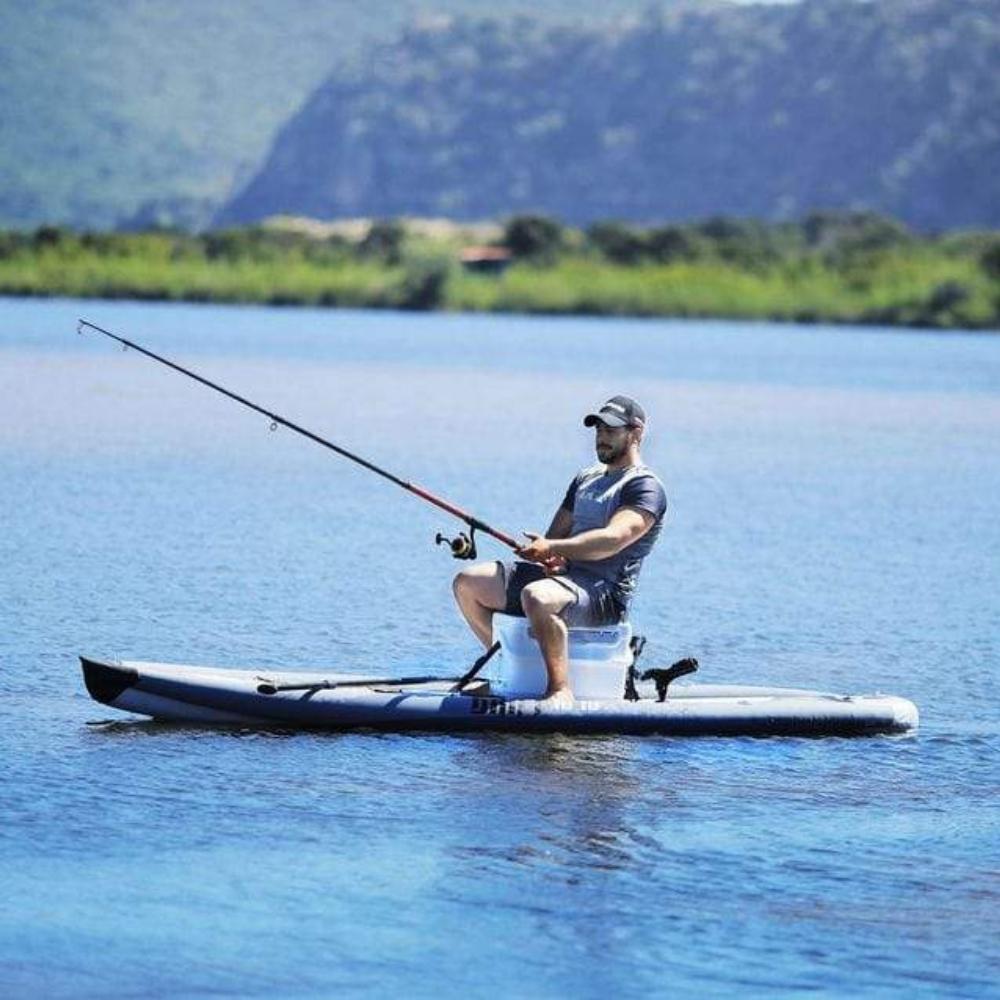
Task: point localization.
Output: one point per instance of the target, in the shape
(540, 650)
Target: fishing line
(463, 546)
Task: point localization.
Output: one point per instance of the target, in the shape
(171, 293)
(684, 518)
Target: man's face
(612, 442)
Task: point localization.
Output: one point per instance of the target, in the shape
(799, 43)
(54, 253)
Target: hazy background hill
(113, 107)
(766, 111)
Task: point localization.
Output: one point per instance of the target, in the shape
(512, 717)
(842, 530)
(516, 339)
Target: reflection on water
(581, 786)
(832, 525)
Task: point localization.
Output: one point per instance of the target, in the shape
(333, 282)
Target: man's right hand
(538, 550)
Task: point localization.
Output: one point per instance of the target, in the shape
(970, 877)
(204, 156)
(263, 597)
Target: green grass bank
(831, 268)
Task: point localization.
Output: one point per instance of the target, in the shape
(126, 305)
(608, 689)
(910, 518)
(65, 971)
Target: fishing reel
(463, 546)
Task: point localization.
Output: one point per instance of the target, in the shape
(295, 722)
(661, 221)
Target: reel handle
(463, 546)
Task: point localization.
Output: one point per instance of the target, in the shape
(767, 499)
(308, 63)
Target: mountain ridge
(768, 111)
(131, 112)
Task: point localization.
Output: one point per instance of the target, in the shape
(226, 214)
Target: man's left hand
(539, 550)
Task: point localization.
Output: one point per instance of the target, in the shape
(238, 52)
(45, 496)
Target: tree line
(838, 240)
(828, 266)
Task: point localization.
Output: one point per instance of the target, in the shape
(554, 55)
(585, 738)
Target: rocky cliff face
(766, 111)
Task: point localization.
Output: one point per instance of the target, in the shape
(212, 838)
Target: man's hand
(539, 550)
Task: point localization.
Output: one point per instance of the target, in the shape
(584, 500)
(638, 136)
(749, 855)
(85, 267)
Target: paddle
(268, 687)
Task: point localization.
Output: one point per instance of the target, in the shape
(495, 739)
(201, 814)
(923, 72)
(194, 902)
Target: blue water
(833, 524)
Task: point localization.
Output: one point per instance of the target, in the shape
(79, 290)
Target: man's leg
(480, 591)
(542, 602)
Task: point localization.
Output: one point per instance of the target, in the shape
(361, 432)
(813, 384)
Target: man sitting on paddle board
(583, 570)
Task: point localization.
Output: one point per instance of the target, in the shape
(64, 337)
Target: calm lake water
(833, 524)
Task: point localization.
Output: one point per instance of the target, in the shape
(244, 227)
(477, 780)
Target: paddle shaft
(265, 687)
(268, 687)
(424, 494)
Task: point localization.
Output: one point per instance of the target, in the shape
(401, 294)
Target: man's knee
(461, 583)
(482, 582)
(540, 599)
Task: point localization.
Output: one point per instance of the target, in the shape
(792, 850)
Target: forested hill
(764, 111)
(112, 110)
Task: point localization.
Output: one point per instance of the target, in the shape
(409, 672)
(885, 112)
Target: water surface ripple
(833, 524)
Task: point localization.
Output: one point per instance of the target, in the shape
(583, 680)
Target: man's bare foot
(560, 699)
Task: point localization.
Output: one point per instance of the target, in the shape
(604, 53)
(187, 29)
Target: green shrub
(533, 237)
(989, 261)
(51, 236)
(384, 241)
(424, 282)
(668, 244)
(618, 242)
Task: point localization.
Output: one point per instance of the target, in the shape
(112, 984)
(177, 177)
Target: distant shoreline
(791, 320)
(943, 283)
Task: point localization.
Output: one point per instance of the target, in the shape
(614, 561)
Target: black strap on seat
(475, 668)
(637, 643)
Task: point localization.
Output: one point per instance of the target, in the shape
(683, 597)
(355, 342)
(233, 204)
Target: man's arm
(561, 524)
(626, 526)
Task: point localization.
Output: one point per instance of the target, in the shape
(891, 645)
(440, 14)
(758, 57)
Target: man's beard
(609, 453)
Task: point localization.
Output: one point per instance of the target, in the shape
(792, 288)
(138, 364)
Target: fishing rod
(463, 546)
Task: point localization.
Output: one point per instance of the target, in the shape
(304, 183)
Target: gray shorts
(593, 602)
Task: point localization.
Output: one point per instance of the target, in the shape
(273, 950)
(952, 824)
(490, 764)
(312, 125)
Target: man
(583, 570)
